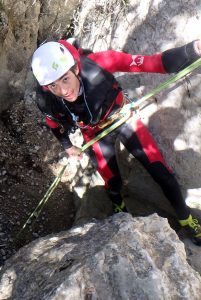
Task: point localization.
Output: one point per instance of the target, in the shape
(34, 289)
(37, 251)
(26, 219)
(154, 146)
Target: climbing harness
(121, 116)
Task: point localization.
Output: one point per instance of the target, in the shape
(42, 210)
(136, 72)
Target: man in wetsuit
(78, 89)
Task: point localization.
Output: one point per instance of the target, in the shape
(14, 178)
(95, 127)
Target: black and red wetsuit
(100, 96)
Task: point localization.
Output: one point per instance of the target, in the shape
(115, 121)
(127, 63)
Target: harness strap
(109, 117)
(107, 121)
(122, 119)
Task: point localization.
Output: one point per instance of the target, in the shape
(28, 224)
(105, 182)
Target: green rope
(123, 118)
(37, 210)
(39, 207)
(166, 83)
(138, 102)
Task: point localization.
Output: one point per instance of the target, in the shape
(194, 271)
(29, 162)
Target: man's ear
(45, 88)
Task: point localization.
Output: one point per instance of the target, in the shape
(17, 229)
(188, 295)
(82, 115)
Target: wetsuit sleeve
(114, 61)
(59, 132)
(179, 58)
(168, 61)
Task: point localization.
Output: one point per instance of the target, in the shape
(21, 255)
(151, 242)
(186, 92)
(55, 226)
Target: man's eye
(52, 86)
(65, 78)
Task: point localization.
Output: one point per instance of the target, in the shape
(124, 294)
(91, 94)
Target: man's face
(66, 87)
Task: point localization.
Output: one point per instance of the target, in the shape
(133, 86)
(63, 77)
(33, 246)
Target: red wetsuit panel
(51, 123)
(114, 61)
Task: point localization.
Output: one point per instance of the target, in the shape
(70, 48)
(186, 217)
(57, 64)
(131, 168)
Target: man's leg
(103, 157)
(140, 143)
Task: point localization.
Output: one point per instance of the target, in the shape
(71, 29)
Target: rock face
(119, 258)
(23, 24)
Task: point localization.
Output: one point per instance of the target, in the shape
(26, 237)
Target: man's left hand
(197, 45)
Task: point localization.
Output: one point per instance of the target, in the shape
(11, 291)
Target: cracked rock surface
(120, 257)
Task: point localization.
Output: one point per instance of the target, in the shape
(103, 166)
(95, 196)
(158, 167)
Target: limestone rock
(118, 258)
(23, 24)
(55, 18)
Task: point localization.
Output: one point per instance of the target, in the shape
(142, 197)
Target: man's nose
(63, 89)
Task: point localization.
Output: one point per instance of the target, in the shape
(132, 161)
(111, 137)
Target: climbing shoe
(193, 227)
(119, 207)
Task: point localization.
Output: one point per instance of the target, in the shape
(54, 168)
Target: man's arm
(45, 102)
(168, 61)
(176, 59)
(63, 138)
(59, 132)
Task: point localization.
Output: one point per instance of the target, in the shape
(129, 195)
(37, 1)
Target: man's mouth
(70, 96)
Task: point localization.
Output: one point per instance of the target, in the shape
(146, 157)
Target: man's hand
(74, 151)
(197, 46)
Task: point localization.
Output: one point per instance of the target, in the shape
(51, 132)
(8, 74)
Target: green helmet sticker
(55, 66)
(63, 59)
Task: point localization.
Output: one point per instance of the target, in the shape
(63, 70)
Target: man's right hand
(74, 151)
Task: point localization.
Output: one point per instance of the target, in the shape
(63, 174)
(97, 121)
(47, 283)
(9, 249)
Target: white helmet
(50, 61)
